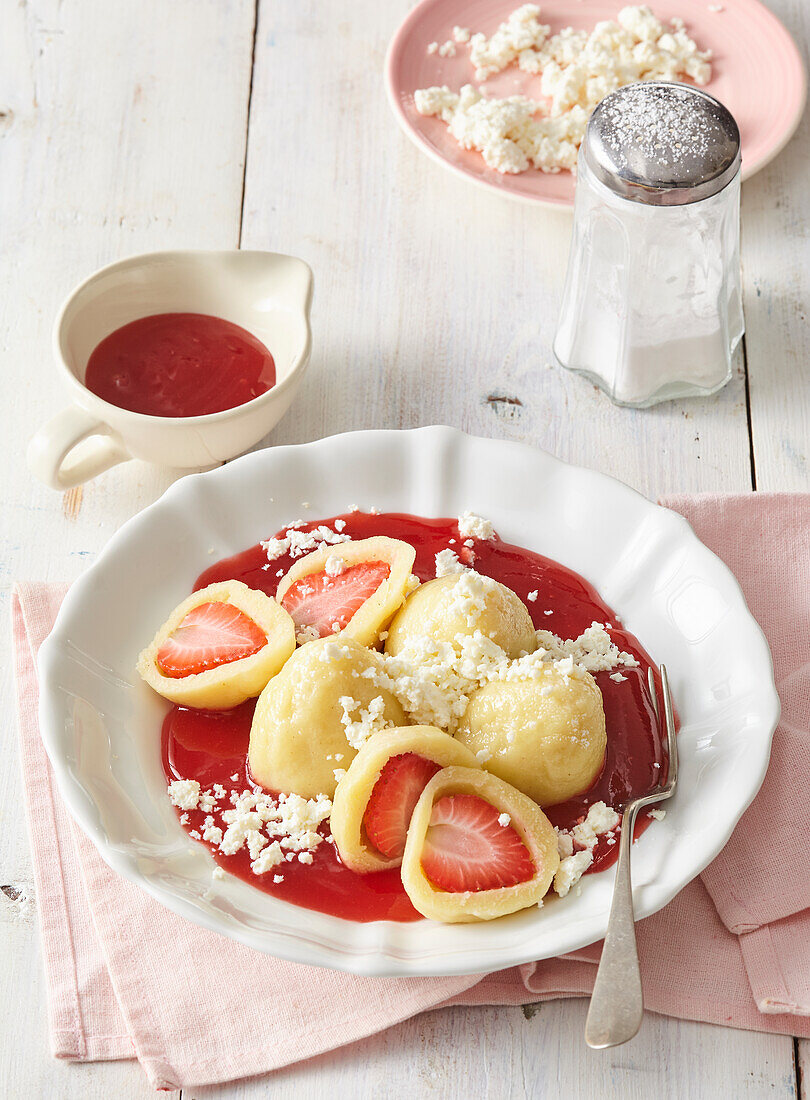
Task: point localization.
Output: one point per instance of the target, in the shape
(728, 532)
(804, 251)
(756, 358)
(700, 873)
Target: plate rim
(379, 960)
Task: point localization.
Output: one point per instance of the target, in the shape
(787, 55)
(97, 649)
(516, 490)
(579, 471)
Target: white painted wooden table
(128, 125)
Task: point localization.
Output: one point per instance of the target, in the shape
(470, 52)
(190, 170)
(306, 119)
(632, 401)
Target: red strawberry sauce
(180, 364)
(212, 746)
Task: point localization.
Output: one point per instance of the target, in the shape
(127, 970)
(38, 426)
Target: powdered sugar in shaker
(652, 307)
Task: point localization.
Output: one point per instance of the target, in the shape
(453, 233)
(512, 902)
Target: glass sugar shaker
(652, 308)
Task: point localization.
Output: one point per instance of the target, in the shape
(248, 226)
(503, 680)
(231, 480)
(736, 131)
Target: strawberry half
(466, 847)
(325, 603)
(211, 635)
(396, 792)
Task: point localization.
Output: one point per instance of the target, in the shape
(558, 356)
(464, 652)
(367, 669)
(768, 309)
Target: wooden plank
(802, 1066)
(122, 129)
(537, 1052)
(435, 301)
(776, 251)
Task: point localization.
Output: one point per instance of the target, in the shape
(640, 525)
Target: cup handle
(49, 452)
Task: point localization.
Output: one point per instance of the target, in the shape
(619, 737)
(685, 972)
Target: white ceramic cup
(264, 292)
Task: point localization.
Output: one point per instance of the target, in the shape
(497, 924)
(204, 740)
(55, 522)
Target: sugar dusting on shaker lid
(662, 144)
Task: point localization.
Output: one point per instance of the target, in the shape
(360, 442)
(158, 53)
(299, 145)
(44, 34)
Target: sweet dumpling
(353, 589)
(476, 849)
(311, 718)
(545, 736)
(218, 647)
(464, 603)
(375, 798)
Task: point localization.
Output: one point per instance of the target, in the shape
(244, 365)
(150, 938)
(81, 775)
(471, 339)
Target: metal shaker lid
(662, 144)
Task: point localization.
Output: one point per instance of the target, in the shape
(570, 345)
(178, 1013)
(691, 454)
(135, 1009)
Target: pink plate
(757, 73)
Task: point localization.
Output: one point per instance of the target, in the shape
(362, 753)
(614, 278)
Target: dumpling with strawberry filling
(312, 718)
(353, 589)
(375, 798)
(477, 849)
(463, 604)
(546, 735)
(218, 647)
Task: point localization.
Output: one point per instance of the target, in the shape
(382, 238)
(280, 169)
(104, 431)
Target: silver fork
(617, 1004)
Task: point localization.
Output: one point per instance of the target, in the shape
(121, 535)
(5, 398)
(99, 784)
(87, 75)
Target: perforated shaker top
(662, 144)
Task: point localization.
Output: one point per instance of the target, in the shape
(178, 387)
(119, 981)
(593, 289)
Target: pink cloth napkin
(127, 978)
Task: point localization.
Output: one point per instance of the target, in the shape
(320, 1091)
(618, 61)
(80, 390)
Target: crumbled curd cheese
(578, 69)
(522, 31)
(272, 829)
(592, 650)
(565, 843)
(471, 526)
(335, 565)
(505, 131)
(600, 819)
(185, 793)
(571, 870)
(658, 815)
(467, 599)
(447, 562)
(370, 720)
(297, 543)
(433, 679)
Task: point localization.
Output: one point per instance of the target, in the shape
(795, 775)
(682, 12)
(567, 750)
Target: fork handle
(617, 1005)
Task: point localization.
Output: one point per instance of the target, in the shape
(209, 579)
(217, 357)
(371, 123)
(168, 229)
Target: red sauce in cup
(180, 364)
(211, 746)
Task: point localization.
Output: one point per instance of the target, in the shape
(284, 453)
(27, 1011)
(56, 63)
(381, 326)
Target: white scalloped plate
(101, 724)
